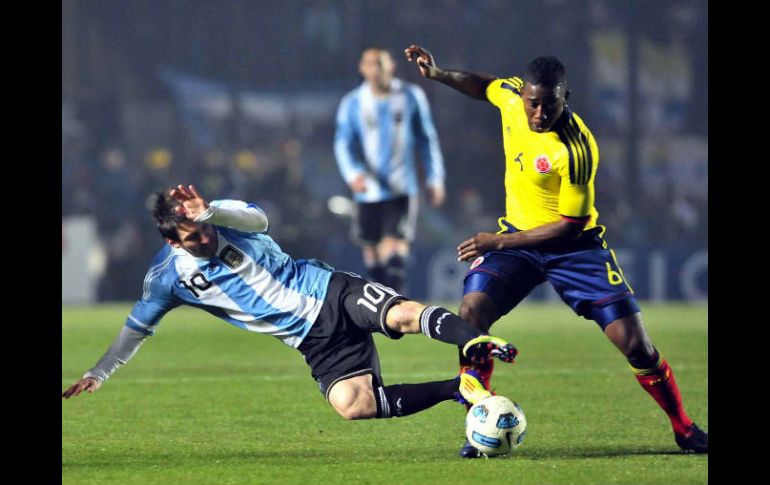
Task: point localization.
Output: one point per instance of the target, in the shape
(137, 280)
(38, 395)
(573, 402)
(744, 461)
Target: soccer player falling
(218, 258)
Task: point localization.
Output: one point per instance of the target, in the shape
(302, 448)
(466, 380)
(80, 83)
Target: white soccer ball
(495, 425)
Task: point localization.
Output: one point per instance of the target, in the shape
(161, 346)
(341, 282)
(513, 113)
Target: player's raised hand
(423, 58)
(358, 184)
(478, 245)
(89, 384)
(436, 194)
(191, 203)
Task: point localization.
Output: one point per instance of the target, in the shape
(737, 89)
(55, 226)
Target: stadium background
(238, 97)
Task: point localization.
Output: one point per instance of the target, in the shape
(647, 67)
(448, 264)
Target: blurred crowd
(121, 142)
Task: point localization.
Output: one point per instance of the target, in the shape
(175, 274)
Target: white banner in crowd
(82, 260)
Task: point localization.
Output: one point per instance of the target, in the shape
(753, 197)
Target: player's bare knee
(353, 398)
(475, 314)
(354, 405)
(630, 337)
(468, 313)
(351, 413)
(639, 351)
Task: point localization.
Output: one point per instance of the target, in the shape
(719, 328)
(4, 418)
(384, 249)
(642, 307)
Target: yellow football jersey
(547, 175)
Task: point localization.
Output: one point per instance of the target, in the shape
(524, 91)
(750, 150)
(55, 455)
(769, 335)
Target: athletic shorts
(373, 221)
(584, 273)
(340, 343)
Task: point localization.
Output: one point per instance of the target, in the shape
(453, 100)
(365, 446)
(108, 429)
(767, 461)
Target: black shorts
(375, 220)
(340, 343)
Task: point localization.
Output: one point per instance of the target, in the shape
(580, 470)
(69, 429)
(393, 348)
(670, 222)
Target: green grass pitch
(203, 402)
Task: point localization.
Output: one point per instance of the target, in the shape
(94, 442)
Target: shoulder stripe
(162, 263)
(513, 84)
(153, 273)
(574, 135)
(564, 139)
(589, 158)
(579, 150)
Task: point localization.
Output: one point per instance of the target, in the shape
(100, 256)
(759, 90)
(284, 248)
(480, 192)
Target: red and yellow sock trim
(649, 371)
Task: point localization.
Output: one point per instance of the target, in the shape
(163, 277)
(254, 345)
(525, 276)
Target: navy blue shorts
(584, 273)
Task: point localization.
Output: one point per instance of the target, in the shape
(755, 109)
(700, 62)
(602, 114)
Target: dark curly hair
(165, 215)
(546, 71)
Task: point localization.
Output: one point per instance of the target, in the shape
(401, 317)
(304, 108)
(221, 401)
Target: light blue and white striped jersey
(249, 283)
(377, 137)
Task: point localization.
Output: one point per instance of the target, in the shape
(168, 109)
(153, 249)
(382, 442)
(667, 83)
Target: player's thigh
(366, 303)
(506, 277)
(399, 218)
(591, 282)
(366, 225)
(337, 348)
(340, 357)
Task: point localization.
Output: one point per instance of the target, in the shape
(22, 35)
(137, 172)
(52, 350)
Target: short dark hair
(377, 47)
(165, 215)
(546, 71)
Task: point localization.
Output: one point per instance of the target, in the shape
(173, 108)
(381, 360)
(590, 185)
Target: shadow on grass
(582, 453)
(168, 460)
(331, 455)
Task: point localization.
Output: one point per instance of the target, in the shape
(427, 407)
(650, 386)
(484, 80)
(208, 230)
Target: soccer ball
(495, 425)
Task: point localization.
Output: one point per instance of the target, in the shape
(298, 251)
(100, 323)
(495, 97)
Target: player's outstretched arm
(122, 349)
(89, 384)
(234, 214)
(469, 83)
(436, 194)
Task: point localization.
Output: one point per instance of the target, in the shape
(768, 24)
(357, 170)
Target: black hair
(165, 215)
(546, 71)
(377, 47)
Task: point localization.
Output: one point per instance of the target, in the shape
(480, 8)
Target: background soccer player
(218, 258)
(550, 230)
(380, 124)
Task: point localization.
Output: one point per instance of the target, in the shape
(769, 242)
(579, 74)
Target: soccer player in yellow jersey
(550, 230)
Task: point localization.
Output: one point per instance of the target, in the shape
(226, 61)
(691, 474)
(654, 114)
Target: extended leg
(657, 378)
(362, 397)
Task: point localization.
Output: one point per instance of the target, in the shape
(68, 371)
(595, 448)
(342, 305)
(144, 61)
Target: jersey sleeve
(347, 150)
(235, 214)
(575, 200)
(500, 91)
(157, 300)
